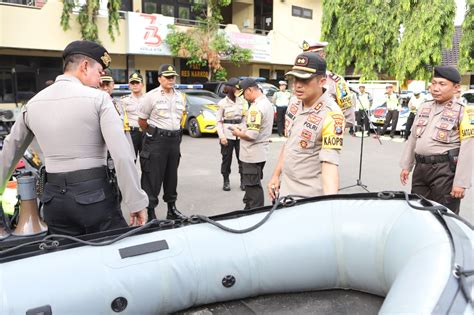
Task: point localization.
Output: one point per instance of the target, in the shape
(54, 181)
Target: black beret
(232, 82)
(448, 73)
(89, 49)
(307, 65)
(167, 70)
(135, 77)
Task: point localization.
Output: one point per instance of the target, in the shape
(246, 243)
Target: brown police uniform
(441, 148)
(160, 155)
(254, 153)
(337, 87)
(74, 125)
(229, 115)
(315, 135)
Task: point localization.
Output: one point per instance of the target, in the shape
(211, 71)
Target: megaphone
(29, 222)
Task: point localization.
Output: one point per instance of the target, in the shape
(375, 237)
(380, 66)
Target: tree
(387, 38)
(466, 46)
(429, 27)
(88, 15)
(205, 44)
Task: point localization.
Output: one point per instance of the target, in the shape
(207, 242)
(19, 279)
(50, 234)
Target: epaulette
(125, 96)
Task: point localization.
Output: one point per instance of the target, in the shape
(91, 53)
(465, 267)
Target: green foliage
(366, 34)
(429, 27)
(466, 46)
(206, 44)
(87, 18)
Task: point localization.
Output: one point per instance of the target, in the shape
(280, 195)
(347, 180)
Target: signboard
(193, 73)
(147, 33)
(258, 44)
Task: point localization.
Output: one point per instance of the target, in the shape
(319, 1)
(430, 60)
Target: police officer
(393, 107)
(336, 86)
(132, 103)
(160, 116)
(441, 144)
(229, 115)
(254, 143)
(74, 123)
(363, 105)
(308, 161)
(281, 99)
(107, 85)
(415, 102)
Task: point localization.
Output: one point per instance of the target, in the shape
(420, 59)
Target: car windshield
(198, 100)
(469, 97)
(268, 89)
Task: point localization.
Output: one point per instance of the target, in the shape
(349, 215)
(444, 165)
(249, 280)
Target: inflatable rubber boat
(416, 254)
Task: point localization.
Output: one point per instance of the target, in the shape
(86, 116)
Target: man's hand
(237, 132)
(139, 217)
(273, 187)
(404, 176)
(224, 141)
(457, 192)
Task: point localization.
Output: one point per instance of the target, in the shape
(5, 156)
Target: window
(26, 85)
(301, 12)
(6, 87)
(167, 10)
(264, 73)
(180, 9)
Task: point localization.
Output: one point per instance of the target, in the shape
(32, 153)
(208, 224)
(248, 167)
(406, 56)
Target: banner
(147, 33)
(258, 44)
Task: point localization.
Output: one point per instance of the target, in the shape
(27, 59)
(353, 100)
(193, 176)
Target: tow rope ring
(462, 275)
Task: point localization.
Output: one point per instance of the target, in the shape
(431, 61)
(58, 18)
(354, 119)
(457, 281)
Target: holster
(453, 158)
(112, 178)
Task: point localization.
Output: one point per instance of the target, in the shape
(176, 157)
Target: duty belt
(167, 133)
(431, 159)
(135, 128)
(76, 176)
(232, 121)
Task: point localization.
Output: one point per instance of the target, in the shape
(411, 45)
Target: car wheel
(193, 128)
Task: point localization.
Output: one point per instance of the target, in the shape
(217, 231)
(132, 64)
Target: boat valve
(228, 281)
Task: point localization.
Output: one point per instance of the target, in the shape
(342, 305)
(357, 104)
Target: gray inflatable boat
(416, 254)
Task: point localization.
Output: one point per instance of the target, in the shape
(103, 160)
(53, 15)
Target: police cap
(232, 82)
(106, 76)
(167, 70)
(311, 45)
(448, 73)
(135, 77)
(282, 82)
(245, 84)
(89, 49)
(308, 65)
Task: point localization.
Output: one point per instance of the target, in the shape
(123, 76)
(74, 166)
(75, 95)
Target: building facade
(32, 40)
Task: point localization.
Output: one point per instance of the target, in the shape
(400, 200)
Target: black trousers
(226, 151)
(252, 174)
(392, 116)
(159, 161)
(435, 182)
(82, 208)
(362, 119)
(137, 139)
(281, 111)
(409, 124)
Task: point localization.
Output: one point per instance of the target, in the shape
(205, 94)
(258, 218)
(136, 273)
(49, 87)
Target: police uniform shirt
(364, 100)
(259, 123)
(163, 110)
(338, 89)
(282, 98)
(315, 135)
(438, 128)
(415, 102)
(229, 110)
(70, 122)
(132, 105)
(392, 101)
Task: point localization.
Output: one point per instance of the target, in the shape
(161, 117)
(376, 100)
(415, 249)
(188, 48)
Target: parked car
(377, 117)
(468, 96)
(200, 116)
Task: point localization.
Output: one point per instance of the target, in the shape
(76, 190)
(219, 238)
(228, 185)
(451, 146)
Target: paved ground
(200, 183)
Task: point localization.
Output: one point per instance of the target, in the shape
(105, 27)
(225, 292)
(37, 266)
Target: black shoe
(151, 214)
(173, 213)
(226, 186)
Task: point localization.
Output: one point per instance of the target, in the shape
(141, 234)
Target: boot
(173, 213)
(151, 214)
(226, 186)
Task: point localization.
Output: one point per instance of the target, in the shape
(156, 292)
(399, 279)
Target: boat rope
(462, 275)
(442, 210)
